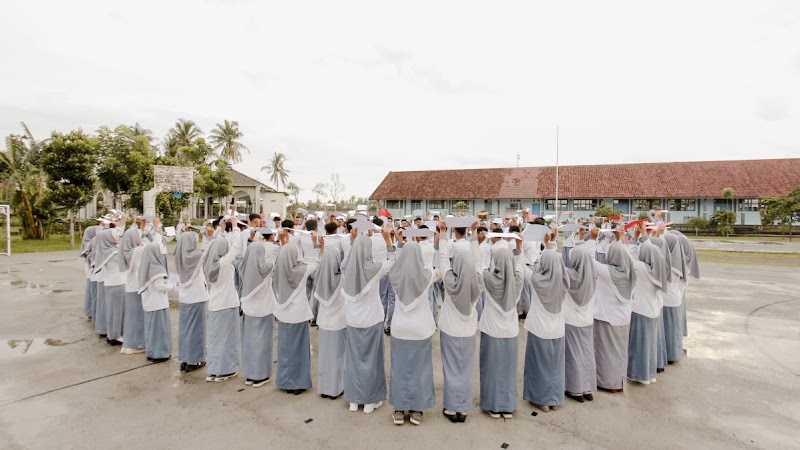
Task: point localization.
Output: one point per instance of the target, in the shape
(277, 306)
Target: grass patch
(750, 258)
(55, 243)
(742, 238)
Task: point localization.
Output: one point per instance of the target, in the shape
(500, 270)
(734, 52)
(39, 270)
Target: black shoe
(451, 417)
(183, 367)
(660, 370)
(298, 391)
(325, 396)
(114, 342)
(160, 360)
(313, 323)
(588, 397)
(670, 362)
(289, 391)
(102, 335)
(577, 398)
(461, 417)
(388, 331)
(523, 316)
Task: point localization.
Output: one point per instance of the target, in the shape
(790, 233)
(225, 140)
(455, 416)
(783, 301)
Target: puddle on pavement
(23, 347)
(26, 284)
(57, 291)
(57, 260)
(12, 270)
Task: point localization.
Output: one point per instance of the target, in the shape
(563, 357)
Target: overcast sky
(362, 88)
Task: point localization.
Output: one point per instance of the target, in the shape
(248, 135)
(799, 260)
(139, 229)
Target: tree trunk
(71, 228)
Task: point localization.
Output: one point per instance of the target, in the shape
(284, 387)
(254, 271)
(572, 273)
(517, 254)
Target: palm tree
(184, 133)
(225, 138)
(23, 180)
(136, 130)
(278, 174)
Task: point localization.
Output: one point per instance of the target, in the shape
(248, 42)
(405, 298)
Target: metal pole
(556, 174)
(7, 209)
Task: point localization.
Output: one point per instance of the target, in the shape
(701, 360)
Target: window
(462, 205)
(395, 204)
(487, 205)
(515, 204)
(682, 204)
(435, 205)
(550, 204)
(750, 204)
(416, 204)
(584, 204)
(644, 204)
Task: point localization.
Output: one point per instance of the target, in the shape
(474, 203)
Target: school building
(684, 189)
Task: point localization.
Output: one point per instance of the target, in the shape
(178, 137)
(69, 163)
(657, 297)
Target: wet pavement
(62, 386)
(747, 246)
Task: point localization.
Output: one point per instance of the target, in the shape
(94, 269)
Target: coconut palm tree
(225, 139)
(278, 174)
(136, 130)
(184, 133)
(24, 182)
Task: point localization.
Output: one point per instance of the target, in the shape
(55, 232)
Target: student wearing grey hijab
(293, 312)
(544, 352)
(661, 359)
(86, 254)
(192, 302)
(258, 303)
(331, 321)
(153, 288)
(109, 267)
(130, 261)
(692, 269)
(612, 316)
(224, 323)
(411, 380)
(458, 322)
(673, 299)
(651, 282)
(580, 376)
(365, 379)
(499, 327)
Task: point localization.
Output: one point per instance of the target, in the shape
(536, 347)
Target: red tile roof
(748, 178)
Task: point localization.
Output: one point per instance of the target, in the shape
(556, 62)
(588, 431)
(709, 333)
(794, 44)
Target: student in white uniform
(673, 299)
(153, 289)
(651, 282)
(113, 282)
(365, 379)
(224, 324)
(544, 354)
(133, 322)
(86, 255)
(411, 380)
(331, 319)
(580, 374)
(612, 316)
(293, 313)
(258, 305)
(499, 327)
(192, 301)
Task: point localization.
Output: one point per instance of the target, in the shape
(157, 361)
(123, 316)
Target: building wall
(272, 202)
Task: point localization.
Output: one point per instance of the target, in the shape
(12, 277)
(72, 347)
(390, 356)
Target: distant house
(253, 196)
(684, 189)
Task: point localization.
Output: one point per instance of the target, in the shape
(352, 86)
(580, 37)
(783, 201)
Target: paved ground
(747, 246)
(60, 386)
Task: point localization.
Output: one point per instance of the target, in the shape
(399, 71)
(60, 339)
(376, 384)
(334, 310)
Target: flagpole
(557, 174)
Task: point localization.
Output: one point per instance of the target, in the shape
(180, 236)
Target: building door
(536, 208)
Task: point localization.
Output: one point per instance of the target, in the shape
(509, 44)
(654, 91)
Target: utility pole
(517, 159)
(556, 173)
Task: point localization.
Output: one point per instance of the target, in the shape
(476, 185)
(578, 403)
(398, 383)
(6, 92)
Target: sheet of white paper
(535, 232)
(503, 235)
(432, 224)
(173, 278)
(570, 227)
(418, 232)
(457, 222)
(417, 213)
(169, 231)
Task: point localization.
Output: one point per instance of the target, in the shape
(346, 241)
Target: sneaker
(124, 350)
(544, 408)
(248, 382)
(135, 351)
(507, 415)
(399, 417)
(578, 398)
(415, 417)
(554, 407)
(225, 377)
(211, 377)
(368, 408)
(493, 414)
(353, 407)
(258, 384)
(653, 380)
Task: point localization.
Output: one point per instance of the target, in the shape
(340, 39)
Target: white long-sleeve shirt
(155, 298)
(222, 294)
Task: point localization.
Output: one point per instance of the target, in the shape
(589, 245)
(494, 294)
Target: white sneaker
(653, 380)
(211, 378)
(260, 383)
(124, 351)
(371, 407)
(493, 415)
(135, 351)
(353, 407)
(225, 378)
(248, 382)
(507, 416)
(645, 382)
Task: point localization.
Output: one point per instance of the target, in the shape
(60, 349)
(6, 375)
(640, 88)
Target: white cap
(274, 215)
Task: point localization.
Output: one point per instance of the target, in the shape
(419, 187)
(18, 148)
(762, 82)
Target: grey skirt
(88, 298)
(411, 376)
(610, 354)
(257, 347)
(224, 341)
(364, 373)
(294, 356)
(498, 373)
(158, 333)
(458, 360)
(673, 333)
(661, 360)
(544, 371)
(100, 322)
(330, 361)
(642, 348)
(133, 325)
(192, 332)
(115, 310)
(580, 371)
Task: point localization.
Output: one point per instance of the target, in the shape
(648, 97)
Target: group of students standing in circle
(591, 319)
